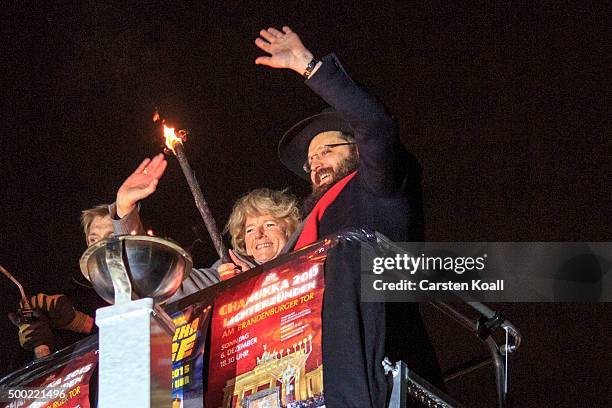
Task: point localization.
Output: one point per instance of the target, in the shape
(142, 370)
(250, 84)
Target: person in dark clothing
(57, 312)
(361, 176)
(355, 134)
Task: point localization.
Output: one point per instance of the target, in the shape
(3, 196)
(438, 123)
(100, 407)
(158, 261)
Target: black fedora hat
(293, 146)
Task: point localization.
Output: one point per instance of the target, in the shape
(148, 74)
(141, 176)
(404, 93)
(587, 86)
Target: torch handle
(6, 273)
(41, 350)
(201, 204)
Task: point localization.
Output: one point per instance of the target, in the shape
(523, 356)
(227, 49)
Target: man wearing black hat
(361, 176)
(354, 134)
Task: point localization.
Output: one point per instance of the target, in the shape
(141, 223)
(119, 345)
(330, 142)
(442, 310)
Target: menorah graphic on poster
(288, 368)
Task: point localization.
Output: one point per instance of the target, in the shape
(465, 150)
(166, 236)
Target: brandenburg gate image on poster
(285, 366)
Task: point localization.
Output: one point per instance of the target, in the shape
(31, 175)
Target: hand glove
(37, 333)
(58, 308)
(62, 313)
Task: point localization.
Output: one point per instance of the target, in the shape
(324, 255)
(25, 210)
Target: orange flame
(171, 138)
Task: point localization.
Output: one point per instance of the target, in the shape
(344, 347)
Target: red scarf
(310, 232)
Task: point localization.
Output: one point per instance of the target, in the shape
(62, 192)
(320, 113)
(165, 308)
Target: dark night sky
(506, 108)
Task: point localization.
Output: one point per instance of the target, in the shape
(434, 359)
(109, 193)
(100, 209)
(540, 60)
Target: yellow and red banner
(65, 384)
(265, 344)
(266, 337)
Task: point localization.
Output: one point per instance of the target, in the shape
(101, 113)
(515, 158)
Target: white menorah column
(135, 355)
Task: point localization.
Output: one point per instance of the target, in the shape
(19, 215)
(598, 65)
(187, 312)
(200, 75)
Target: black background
(505, 106)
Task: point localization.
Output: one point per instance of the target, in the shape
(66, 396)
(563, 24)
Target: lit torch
(174, 142)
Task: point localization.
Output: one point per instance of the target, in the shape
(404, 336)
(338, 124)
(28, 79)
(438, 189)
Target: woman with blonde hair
(260, 225)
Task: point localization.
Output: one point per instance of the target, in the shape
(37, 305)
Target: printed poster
(188, 355)
(266, 338)
(66, 386)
